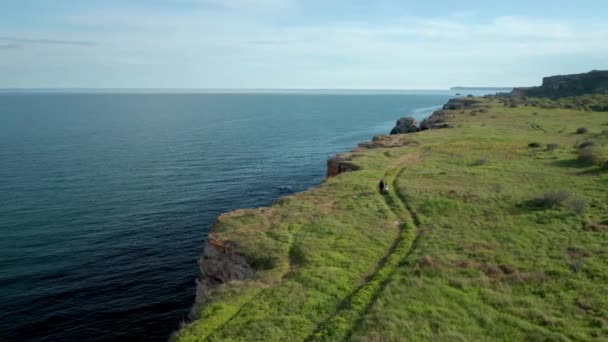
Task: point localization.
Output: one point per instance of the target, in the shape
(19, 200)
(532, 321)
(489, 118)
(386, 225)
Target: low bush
(551, 147)
(534, 145)
(581, 130)
(589, 155)
(586, 144)
(578, 205)
(481, 161)
(552, 198)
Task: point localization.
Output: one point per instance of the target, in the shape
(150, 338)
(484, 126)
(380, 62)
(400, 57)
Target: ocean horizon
(337, 91)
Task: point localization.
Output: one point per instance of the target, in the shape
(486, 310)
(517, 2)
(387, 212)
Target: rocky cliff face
(459, 103)
(219, 265)
(594, 82)
(339, 164)
(436, 120)
(405, 125)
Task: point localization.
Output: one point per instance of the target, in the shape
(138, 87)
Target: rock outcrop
(405, 125)
(386, 141)
(460, 103)
(435, 120)
(339, 164)
(219, 264)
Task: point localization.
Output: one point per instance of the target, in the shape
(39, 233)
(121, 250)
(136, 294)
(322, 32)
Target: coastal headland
(495, 227)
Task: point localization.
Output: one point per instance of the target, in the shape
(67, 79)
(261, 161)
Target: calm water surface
(106, 199)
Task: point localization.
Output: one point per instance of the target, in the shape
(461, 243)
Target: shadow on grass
(572, 163)
(596, 171)
(534, 204)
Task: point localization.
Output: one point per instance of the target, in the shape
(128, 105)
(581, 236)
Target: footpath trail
(350, 312)
(341, 325)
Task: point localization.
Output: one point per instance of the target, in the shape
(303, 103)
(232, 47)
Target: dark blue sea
(106, 198)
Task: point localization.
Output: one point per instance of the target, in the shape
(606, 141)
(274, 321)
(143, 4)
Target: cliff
(219, 264)
(339, 164)
(594, 82)
(503, 238)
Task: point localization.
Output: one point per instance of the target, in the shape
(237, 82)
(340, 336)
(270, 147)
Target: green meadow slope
(494, 229)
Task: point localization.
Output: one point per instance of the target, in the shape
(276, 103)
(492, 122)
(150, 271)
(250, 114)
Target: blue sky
(381, 44)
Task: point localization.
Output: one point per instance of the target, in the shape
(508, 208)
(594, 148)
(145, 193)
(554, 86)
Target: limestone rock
(405, 125)
(219, 265)
(339, 164)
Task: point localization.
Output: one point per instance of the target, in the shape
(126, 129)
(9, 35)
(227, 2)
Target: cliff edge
(594, 82)
(492, 230)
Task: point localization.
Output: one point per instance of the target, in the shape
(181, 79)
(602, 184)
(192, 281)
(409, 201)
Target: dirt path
(351, 312)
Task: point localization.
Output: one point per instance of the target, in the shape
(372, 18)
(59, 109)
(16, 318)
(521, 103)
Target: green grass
(460, 249)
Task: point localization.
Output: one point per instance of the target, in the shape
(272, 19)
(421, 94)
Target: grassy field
(496, 229)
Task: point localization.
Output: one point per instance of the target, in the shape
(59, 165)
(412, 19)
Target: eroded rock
(219, 265)
(436, 120)
(339, 164)
(405, 125)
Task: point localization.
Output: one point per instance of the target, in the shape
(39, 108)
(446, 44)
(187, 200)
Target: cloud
(10, 47)
(241, 5)
(46, 41)
(275, 43)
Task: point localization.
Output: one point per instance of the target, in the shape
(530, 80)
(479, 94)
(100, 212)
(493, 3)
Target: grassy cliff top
(495, 229)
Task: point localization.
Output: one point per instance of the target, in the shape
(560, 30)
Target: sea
(106, 196)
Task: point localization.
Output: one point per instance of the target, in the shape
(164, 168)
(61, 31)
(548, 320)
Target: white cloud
(249, 4)
(228, 46)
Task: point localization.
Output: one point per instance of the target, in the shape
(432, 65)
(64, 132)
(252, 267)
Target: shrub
(578, 205)
(552, 198)
(589, 155)
(581, 130)
(481, 161)
(497, 188)
(534, 144)
(586, 144)
(551, 147)
(605, 165)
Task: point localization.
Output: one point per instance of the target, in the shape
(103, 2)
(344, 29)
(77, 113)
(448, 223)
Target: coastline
(221, 263)
(342, 261)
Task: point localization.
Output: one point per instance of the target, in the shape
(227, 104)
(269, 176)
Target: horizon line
(234, 90)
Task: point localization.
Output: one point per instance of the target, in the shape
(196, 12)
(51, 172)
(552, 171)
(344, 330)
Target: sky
(297, 44)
